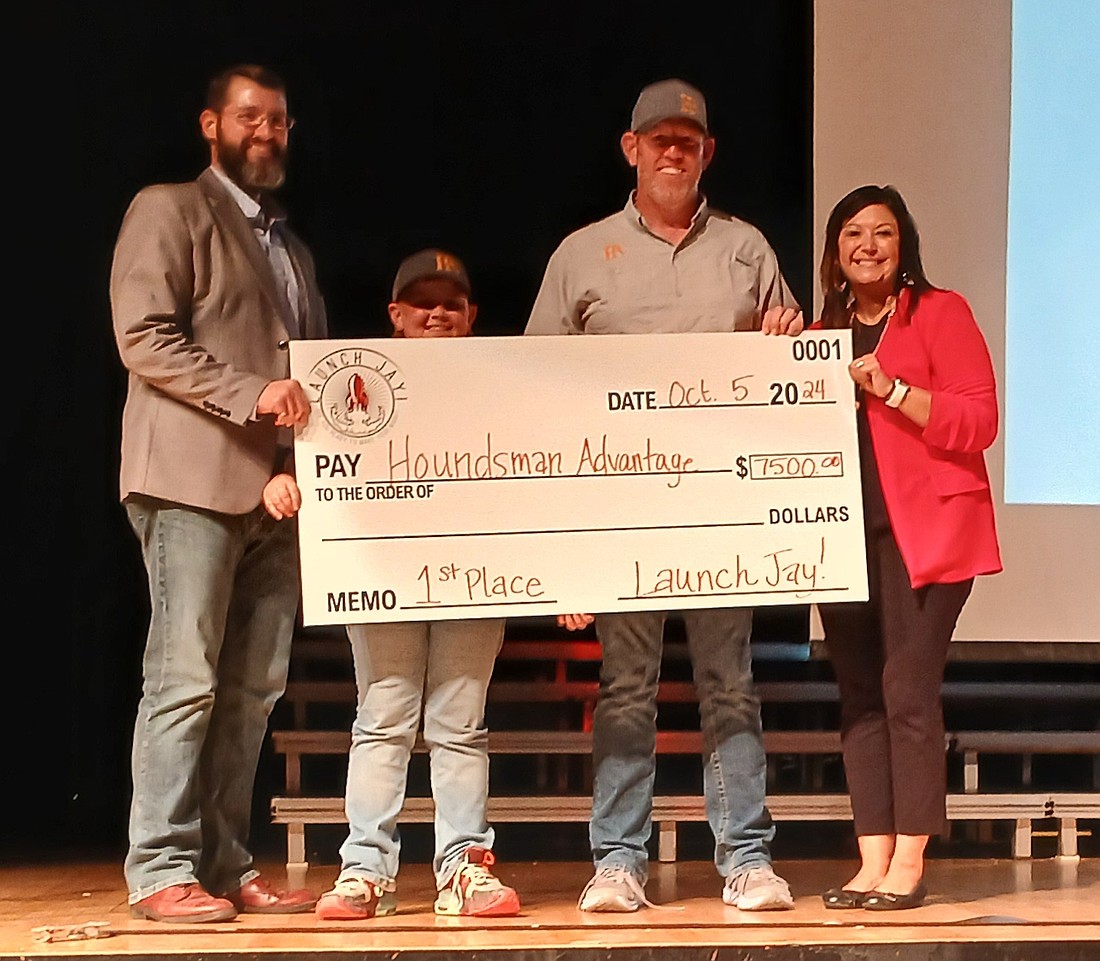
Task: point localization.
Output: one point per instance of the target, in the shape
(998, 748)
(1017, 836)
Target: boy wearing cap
(438, 669)
(669, 263)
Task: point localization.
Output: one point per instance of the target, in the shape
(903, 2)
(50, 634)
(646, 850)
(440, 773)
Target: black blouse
(865, 338)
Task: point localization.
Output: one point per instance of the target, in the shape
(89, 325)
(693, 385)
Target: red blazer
(934, 481)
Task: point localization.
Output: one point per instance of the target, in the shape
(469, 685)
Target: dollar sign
(742, 470)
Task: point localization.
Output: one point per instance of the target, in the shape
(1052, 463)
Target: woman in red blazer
(927, 409)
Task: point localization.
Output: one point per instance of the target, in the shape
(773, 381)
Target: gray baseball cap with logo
(671, 99)
(430, 263)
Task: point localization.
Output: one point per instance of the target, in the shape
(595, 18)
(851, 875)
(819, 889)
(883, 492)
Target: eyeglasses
(280, 123)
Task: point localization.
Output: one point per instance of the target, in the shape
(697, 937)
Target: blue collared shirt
(268, 232)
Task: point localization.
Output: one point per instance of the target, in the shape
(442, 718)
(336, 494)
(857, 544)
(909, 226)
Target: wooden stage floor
(979, 909)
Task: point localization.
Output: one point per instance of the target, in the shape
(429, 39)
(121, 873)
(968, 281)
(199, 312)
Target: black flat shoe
(884, 901)
(844, 898)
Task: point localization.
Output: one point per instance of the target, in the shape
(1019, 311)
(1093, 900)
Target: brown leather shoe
(259, 897)
(183, 904)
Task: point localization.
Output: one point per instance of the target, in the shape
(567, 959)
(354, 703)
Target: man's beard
(673, 194)
(265, 174)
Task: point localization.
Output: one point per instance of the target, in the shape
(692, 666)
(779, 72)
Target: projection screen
(921, 95)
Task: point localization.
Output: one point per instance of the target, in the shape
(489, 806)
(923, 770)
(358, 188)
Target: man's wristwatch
(898, 394)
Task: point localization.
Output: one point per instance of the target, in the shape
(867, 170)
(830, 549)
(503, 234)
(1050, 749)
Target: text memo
(512, 476)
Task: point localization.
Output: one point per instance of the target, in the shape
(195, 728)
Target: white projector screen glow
(1052, 405)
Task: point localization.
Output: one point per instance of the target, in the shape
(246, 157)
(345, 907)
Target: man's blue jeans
(625, 729)
(441, 668)
(224, 594)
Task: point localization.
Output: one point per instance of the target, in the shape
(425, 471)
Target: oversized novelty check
(493, 476)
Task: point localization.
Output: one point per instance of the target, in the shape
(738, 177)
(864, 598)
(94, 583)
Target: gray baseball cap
(430, 263)
(671, 99)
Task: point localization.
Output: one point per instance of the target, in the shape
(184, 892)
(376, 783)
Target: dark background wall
(488, 128)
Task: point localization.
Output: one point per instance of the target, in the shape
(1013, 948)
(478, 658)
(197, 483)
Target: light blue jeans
(440, 669)
(625, 729)
(224, 594)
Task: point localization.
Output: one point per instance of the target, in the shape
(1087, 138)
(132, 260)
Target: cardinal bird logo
(357, 395)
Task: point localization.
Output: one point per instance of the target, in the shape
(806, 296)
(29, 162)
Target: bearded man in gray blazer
(207, 287)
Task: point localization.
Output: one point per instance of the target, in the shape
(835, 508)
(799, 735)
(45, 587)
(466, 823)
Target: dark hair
(834, 287)
(219, 86)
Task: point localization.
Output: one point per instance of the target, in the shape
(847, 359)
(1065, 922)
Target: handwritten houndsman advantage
(515, 476)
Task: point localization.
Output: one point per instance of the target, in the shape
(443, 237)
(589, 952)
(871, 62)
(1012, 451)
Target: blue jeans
(441, 668)
(625, 729)
(224, 594)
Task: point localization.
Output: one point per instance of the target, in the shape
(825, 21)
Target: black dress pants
(888, 656)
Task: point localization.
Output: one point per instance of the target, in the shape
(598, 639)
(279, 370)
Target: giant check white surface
(536, 475)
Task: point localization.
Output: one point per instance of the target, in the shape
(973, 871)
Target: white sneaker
(613, 889)
(757, 889)
(475, 891)
(355, 899)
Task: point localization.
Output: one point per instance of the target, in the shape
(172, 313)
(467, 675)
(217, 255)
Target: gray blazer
(202, 329)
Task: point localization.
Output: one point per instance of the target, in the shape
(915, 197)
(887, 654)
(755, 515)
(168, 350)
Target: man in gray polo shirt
(669, 263)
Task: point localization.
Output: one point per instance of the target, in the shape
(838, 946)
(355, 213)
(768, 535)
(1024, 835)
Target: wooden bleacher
(558, 675)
